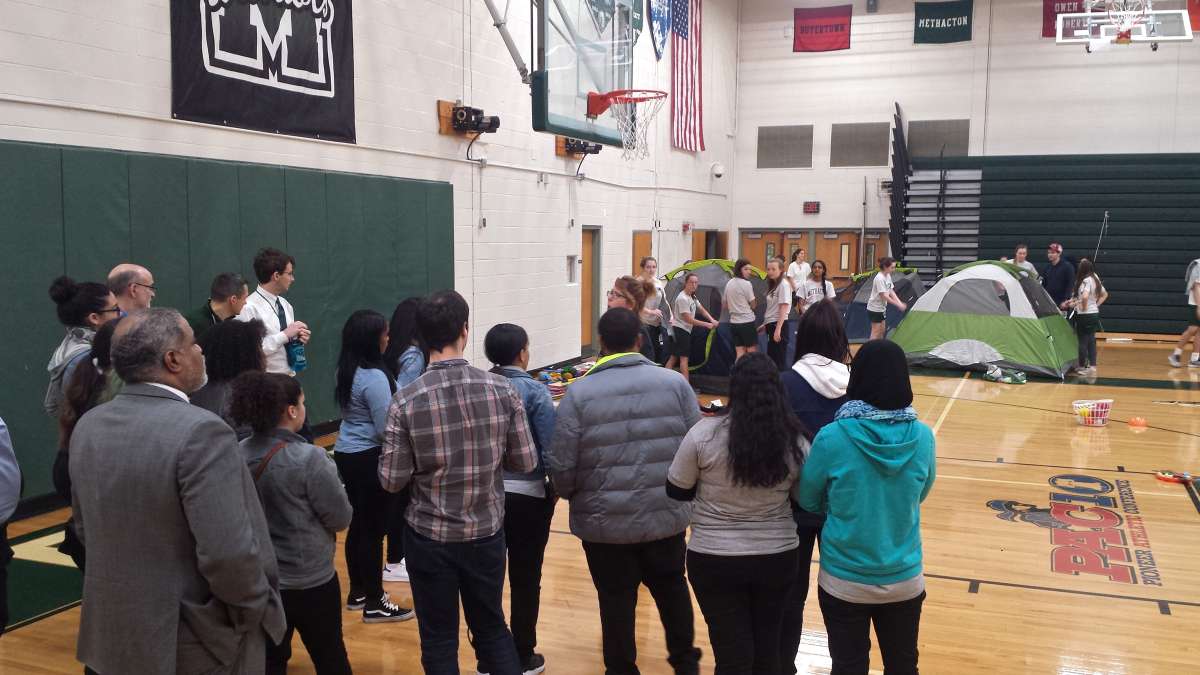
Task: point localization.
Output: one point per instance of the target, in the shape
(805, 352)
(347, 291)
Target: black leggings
(777, 350)
(1086, 326)
(849, 627)
(808, 528)
(372, 515)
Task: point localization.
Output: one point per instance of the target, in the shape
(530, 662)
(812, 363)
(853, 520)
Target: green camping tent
(988, 313)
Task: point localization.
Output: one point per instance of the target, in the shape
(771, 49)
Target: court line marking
(44, 615)
(953, 397)
(1052, 589)
(1044, 466)
(1042, 485)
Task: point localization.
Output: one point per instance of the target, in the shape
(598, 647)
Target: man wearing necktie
(276, 272)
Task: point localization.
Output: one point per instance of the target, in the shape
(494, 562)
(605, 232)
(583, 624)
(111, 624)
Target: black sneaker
(383, 610)
(355, 601)
(532, 666)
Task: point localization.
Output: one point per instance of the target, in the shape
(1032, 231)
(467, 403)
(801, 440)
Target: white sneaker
(1173, 360)
(396, 572)
(1193, 364)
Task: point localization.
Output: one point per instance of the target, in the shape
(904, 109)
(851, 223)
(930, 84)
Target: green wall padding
(1154, 227)
(360, 242)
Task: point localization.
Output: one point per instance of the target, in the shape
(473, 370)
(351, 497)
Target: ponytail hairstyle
(638, 289)
(824, 273)
(259, 399)
(763, 430)
(738, 266)
(772, 284)
(77, 301)
(88, 383)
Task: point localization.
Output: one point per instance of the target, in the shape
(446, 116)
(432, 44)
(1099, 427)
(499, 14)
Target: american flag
(687, 104)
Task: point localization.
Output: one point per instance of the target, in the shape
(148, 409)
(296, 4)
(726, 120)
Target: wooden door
(642, 246)
(722, 244)
(757, 247)
(589, 256)
(839, 252)
(698, 247)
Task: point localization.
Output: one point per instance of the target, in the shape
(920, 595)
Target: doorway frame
(592, 348)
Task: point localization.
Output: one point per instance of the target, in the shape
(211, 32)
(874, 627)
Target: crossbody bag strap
(262, 466)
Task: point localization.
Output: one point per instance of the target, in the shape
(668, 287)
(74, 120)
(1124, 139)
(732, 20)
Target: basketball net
(633, 121)
(1125, 15)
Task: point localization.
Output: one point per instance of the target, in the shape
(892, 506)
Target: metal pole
(502, 25)
(1103, 229)
(862, 239)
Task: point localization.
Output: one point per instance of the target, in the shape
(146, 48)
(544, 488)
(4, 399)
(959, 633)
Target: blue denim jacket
(363, 420)
(539, 409)
(410, 365)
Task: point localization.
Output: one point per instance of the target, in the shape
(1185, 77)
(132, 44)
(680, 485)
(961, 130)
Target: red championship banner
(1052, 8)
(822, 29)
(1193, 8)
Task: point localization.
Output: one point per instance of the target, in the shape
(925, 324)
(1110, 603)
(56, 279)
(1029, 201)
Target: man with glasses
(133, 285)
(276, 273)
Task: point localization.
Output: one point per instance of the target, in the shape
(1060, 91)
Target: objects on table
(557, 379)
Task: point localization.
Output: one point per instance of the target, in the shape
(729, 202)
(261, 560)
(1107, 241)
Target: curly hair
(259, 399)
(762, 427)
(233, 347)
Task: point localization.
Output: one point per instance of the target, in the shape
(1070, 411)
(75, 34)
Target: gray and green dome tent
(712, 351)
(988, 313)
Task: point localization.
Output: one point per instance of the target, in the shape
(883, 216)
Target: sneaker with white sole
(355, 601)
(384, 610)
(396, 571)
(1174, 361)
(1193, 364)
(535, 665)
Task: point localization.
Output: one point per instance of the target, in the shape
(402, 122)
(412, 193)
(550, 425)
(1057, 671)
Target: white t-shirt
(1092, 289)
(739, 295)
(880, 286)
(1194, 279)
(812, 292)
(782, 295)
(797, 273)
(1028, 267)
(649, 317)
(685, 304)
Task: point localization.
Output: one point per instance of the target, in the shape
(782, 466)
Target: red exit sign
(812, 207)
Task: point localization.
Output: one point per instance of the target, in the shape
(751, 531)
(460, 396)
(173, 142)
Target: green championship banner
(942, 22)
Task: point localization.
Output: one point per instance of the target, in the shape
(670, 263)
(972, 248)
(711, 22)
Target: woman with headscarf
(868, 471)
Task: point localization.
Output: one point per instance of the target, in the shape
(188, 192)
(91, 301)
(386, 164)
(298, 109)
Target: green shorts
(876, 317)
(744, 334)
(1193, 320)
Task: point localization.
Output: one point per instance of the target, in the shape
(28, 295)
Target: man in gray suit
(181, 575)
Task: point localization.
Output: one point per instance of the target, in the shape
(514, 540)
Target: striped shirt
(451, 432)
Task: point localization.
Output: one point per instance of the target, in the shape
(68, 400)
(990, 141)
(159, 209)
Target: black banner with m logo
(284, 66)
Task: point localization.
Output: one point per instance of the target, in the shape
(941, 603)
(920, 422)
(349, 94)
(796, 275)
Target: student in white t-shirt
(779, 303)
(1086, 300)
(1021, 259)
(1192, 332)
(799, 270)
(685, 316)
(739, 300)
(883, 293)
(815, 288)
(652, 315)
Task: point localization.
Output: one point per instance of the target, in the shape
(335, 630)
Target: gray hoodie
(76, 343)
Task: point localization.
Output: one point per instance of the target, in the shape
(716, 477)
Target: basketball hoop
(1125, 15)
(633, 110)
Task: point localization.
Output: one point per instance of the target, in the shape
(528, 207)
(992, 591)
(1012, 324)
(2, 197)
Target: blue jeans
(440, 573)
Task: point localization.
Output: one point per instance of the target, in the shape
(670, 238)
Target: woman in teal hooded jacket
(869, 471)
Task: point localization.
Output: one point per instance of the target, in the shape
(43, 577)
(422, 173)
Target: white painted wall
(1023, 94)
(89, 73)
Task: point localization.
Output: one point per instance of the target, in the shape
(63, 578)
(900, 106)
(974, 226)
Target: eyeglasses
(150, 286)
(618, 294)
(110, 309)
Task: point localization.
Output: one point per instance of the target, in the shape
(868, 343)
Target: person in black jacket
(1059, 277)
(816, 388)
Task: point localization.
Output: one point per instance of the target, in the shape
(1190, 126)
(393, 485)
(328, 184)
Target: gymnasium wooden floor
(1008, 595)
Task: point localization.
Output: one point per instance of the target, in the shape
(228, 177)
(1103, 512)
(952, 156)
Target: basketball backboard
(583, 46)
(1100, 28)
